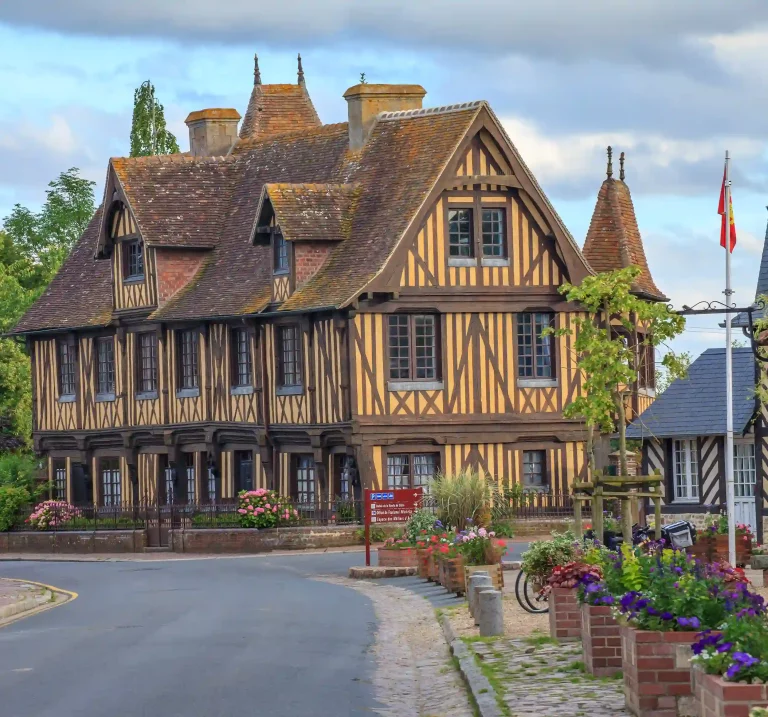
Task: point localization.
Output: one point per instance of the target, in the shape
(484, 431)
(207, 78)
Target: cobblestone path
(415, 676)
(547, 680)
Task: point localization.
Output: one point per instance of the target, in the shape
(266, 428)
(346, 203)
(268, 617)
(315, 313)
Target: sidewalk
(18, 597)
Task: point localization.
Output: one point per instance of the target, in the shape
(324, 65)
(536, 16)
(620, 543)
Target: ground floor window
(59, 487)
(347, 472)
(744, 470)
(304, 485)
(169, 479)
(535, 470)
(411, 470)
(110, 481)
(243, 470)
(211, 484)
(685, 470)
(189, 463)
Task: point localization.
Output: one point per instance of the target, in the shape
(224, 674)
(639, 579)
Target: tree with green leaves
(32, 247)
(606, 360)
(149, 135)
(663, 379)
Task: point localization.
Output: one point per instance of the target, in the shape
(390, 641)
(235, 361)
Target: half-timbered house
(314, 307)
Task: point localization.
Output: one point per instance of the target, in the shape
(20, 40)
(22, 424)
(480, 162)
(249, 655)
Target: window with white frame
(411, 470)
(744, 470)
(686, 470)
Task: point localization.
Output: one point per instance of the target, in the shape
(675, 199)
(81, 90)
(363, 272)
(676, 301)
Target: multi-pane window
(494, 232)
(685, 470)
(67, 367)
(460, 241)
(189, 464)
(110, 481)
(289, 355)
(244, 470)
(105, 349)
(241, 358)
(281, 254)
(188, 358)
(345, 477)
(305, 480)
(59, 480)
(534, 469)
(169, 476)
(646, 371)
(147, 364)
(211, 484)
(413, 347)
(744, 470)
(134, 259)
(411, 470)
(534, 349)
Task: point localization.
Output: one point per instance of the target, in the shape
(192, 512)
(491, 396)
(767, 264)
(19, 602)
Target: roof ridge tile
(427, 111)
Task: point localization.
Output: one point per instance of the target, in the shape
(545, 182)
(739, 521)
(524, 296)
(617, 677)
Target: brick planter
(432, 568)
(402, 558)
(714, 697)
(564, 615)
(422, 563)
(657, 672)
(601, 640)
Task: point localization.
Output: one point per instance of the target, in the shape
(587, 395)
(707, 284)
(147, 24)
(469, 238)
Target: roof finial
(621, 166)
(609, 171)
(301, 71)
(256, 72)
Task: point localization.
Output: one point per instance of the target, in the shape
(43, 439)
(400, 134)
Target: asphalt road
(205, 638)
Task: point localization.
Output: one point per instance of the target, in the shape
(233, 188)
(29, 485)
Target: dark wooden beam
(500, 180)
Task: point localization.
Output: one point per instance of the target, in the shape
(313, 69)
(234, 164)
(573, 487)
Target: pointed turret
(613, 240)
(277, 109)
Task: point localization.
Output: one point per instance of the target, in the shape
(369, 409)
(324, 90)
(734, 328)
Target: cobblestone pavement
(13, 591)
(539, 679)
(415, 676)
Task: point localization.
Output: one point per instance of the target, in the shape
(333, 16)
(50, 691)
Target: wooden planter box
(397, 558)
(453, 575)
(601, 640)
(564, 615)
(715, 549)
(714, 697)
(422, 563)
(432, 566)
(657, 672)
(495, 571)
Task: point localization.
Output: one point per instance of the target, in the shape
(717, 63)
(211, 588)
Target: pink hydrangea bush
(51, 514)
(262, 508)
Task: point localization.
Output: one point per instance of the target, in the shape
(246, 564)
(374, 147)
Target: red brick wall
(657, 672)
(397, 558)
(717, 698)
(564, 615)
(175, 269)
(601, 640)
(309, 257)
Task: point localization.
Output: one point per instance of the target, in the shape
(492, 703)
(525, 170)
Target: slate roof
(81, 292)
(314, 212)
(695, 406)
(614, 241)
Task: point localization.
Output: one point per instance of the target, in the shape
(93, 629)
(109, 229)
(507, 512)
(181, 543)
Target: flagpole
(729, 375)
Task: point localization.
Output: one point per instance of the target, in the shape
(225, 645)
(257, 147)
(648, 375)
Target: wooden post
(597, 512)
(577, 516)
(626, 520)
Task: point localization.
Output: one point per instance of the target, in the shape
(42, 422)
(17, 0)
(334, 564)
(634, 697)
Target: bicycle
(531, 596)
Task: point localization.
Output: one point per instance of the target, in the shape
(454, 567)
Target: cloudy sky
(673, 84)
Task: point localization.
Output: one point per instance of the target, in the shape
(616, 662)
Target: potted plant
(731, 664)
(543, 556)
(479, 553)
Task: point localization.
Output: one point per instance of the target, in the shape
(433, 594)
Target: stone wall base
(72, 542)
(249, 540)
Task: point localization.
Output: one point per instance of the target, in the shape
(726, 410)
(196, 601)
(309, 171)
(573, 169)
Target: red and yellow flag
(731, 224)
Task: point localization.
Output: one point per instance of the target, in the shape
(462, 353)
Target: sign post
(388, 506)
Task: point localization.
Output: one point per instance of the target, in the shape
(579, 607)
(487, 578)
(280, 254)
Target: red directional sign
(388, 506)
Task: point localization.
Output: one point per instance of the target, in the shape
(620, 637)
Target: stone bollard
(491, 613)
(479, 591)
(475, 580)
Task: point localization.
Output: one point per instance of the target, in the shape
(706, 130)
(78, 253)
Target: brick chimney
(365, 101)
(212, 132)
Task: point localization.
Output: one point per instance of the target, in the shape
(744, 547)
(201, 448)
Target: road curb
(477, 683)
(32, 606)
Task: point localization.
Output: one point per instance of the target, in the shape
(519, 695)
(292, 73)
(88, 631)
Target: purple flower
(725, 647)
(677, 570)
(745, 659)
(608, 600)
(692, 622)
(592, 588)
(652, 611)
(666, 615)
(733, 670)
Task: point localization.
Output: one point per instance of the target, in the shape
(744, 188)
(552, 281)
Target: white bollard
(491, 613)
(478, 592)
(479, 579)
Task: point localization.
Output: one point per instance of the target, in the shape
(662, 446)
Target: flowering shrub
(738, 651)
(544, 555)
(422, 522)
(263, 508)
(476, 546)
(52, 513)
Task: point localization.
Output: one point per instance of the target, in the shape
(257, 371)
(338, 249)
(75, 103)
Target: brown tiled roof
(614, 241)
(80, 293)
(177, 200)
(314, 212)
(278, 109)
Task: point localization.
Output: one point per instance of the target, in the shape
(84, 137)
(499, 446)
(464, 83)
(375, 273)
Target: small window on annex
(105, 376)
(133, 253)
(240, 348)
(289, 356)
(494, 237)
(460, 233)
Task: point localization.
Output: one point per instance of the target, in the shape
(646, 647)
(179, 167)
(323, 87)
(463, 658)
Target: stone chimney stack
(365, 101)
(212, 132)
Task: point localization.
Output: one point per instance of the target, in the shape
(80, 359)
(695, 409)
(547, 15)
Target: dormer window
(134, 259)
(281, 253)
